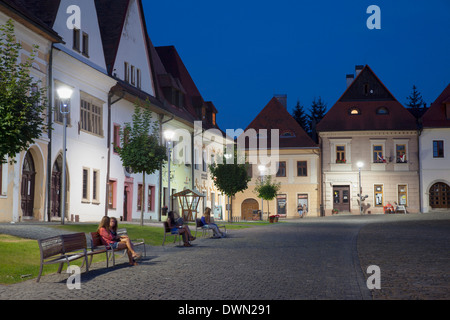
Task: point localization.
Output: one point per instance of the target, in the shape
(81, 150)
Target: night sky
(241, 53)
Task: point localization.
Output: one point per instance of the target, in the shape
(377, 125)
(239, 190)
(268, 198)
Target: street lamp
(360, 164)
(64, 94)
(168, 135)
(262, 170)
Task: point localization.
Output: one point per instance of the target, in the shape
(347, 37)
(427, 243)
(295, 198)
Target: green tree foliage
(267, 189)
(140, 149)
(230, 178)
(301, 117)
(22, 98)
(415, 100)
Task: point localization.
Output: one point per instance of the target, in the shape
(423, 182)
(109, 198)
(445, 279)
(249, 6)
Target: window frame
(304, 168)
(281, 165)
(440, 152)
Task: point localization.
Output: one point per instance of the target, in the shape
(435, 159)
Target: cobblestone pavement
(313, 258)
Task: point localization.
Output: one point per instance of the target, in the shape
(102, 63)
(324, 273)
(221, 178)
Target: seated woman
(110, 239)
(206, 220)
(183, 230)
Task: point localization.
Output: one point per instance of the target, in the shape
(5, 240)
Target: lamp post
(168, 135)
(262, 171)
(64, 94)
(360, 164)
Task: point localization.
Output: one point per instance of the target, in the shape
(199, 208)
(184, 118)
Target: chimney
(358, 69)
(282, 98)
(350, 78)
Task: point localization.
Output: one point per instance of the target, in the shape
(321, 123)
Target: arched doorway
(55, 207)
(439, 196)
(247, 208)
(27, 187)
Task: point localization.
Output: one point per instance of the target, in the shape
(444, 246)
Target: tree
(22, 98)
(415, 99)
(140, 149)
(317, 112)
(301, 117)
(267, 190)
(230, 178)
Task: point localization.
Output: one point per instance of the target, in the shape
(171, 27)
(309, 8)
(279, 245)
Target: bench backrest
(51, 247)
(122, 232)
(96, 239)
(74, 242)
(166, 227)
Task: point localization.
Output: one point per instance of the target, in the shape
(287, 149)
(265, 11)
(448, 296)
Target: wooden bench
(168, 232)
(62, 249)
(401, 208)
(97, 246)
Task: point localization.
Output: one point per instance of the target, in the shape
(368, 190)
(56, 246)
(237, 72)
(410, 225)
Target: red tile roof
(436, 116)
(368, 95)
(275, 116)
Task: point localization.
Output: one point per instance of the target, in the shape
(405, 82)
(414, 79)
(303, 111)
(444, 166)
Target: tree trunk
(142, 198)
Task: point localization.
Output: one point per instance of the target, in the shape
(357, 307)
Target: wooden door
(439, 195)
(247, 208)
(27, 187)
(341, 198)
(55, 208)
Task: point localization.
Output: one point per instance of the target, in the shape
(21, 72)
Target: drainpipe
(161, 194)
(49, 124)
(108, 146)
(419, 133)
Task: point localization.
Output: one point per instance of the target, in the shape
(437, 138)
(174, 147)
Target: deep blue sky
(241, 53)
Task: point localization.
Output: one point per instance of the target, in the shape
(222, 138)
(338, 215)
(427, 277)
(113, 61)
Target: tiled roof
(373, 106)
(275, 116)
(436, 116)
(41, 13)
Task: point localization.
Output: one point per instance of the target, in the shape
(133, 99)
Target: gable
(86, 45)
(132, 63)
(438, 115)
(367, 86)
(367, 108)
(275, 116)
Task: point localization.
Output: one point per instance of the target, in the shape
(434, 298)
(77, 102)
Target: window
(139, 197)
(302, 203)
(382, 110)
(85, 44)
(204, 161)
(116, 138)
(133, 76)
(249, 167)
(366, 88)
(402, 195)
(112, 194)
(287, 134)
(302, 168)
(340, 154)
(378, 154)
(150, 198)
(85, 185)
(354, 111)
(76, 39)
(438, 149)
(126, 72)
(281, 204)
(138, 78)
(378, 195)
(91, 115)
(400, 151)
(95, 184)
(281, 169)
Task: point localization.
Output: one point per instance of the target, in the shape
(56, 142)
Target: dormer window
(382, 110)
(354, 111)
(287, 134)
(85, 42)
